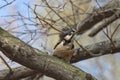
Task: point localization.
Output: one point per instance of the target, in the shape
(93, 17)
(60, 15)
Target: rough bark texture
(24, 54)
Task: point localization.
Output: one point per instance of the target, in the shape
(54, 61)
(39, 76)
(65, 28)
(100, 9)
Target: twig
(84, 49)
(113, 45)
(10, 69)
(45, 21)
(56, 13)
(73, 13)
(115, 31)
(7, 4)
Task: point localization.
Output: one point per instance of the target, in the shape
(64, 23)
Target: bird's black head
(67, 35)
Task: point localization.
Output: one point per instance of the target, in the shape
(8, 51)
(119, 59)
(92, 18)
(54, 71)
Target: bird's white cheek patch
(67, 37)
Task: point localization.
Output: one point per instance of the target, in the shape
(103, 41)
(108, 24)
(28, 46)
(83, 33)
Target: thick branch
(105, 23)
(93, 19)
(18, 73)
(101, 48)
(24, 54)
(102, 13)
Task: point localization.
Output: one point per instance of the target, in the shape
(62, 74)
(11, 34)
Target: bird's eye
(69, 34)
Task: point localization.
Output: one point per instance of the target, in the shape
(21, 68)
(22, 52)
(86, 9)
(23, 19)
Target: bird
(64, 49)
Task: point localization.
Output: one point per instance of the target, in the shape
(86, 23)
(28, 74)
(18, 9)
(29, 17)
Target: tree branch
(10, 70)
(24, 54)
(105, 23)
(100, 48)
(7, 3)
(93, 19)
(99, 15)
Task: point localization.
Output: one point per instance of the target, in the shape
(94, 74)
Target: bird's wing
(56, 45)
(72, 46)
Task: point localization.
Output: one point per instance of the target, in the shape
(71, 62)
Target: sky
(19, 5)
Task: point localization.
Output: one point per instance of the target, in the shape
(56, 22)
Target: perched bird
(64, 48)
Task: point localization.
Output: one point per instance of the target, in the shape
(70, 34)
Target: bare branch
(73, 12)
(7, 3)
(93, 19)
(102, 48)
(56, 13)
(10, 70)
(115, 31)
(86, 51)
(100, 14)
(105, 23)
(40, 19)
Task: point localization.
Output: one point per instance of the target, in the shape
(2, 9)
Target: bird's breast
(60, 45)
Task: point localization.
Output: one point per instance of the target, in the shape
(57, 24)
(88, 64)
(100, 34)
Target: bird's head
(69, 35)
